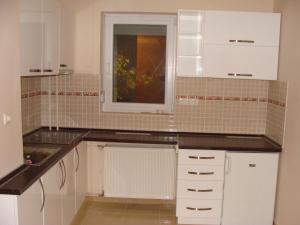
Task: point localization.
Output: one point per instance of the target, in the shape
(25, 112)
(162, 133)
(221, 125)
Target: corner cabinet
(39, 37)
(250, 188)
(231, 44)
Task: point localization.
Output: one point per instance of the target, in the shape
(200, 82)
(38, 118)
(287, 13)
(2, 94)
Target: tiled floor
(111, 211)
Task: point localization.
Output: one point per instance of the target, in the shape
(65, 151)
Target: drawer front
(201, 173)
(198, 208)
(200, 189)
(201, 157)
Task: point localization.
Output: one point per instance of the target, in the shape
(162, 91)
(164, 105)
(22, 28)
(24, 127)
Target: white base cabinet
(80, 174)
(52, 183)
(250, 186)
(24, 209)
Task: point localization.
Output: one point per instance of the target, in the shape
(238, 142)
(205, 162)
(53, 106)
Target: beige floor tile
(114, 211)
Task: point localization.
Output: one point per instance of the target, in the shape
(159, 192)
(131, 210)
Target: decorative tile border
(232, 98)
(209, 98)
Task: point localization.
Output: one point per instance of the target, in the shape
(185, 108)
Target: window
(138, 62)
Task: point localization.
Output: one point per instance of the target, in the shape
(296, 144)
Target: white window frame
(109, 19)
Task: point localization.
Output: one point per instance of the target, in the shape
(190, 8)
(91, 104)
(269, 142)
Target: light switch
(6, 119)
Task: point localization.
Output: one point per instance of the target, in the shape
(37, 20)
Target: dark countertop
(20, 179)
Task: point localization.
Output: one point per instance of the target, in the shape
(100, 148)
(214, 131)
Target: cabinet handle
(227, 164)
(205, 190)
(191, 208)
(193, 157)
(62, 175)
(190, 189)
(209, 157)
(78, 160)
(206, 173)
(204, 209)
(101, 147)
(240, 74)
(190, 172)
(65, 172)
(241, 41)
(63, 65)
(43, 192)
(48, 70)
(199, 209)
(35, 70)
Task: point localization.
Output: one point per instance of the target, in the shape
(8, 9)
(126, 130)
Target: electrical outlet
(6, 119)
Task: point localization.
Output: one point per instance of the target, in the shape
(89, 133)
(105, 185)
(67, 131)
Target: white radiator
(140, 171)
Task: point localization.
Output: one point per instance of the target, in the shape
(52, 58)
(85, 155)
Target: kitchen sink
(37, 155)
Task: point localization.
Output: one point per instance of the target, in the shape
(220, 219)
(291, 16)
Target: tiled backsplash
(201, 105)
(31, 103)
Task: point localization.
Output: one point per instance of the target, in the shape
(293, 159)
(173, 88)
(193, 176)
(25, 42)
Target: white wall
(10, 97)
(288, 196)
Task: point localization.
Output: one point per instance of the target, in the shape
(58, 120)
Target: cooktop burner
(51, 137)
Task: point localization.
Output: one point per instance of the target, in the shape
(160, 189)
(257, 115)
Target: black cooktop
(51, 137)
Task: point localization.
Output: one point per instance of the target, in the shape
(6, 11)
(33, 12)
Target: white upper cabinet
(228, 44)
(39, 37)
(242, 28)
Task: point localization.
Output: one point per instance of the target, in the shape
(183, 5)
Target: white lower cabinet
(53, 181)
(80, 173)
(68, 189)
(200, 186)
(25, 209)
(95, 167)
(52, 200)
(250, 186)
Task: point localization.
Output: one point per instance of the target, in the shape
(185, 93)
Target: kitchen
(201, 105)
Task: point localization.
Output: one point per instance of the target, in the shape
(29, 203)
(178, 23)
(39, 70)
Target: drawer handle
(208, 157)
(190, 189)
(35, 70)
(199, 209)
(242, 41)
(240, 74)
(191, 208)
(199, 190)
(205, 190)
(204, 209)
(193, 157)
(206, 173)
(193, 173)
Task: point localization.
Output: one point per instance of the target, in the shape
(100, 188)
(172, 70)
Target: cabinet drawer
(201, 157)
(200, 173)
(200, 189)
(198, 208)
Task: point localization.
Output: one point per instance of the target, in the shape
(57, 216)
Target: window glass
(139, 59)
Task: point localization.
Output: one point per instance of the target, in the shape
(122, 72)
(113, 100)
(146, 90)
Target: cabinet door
(243, 62)
(81, 173)
(250, 185)
(95, 168)
(30, 205)
(31, 38)
(68, 190)
(52, 181)
(51, 16)
(242, 28)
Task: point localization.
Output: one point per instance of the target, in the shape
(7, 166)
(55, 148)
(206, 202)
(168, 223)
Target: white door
(31, 37)
(95, 168)
(30, 203)
(244, 62)
(250, 185)
(242, 28)
(53, 180)
(51, 17)
(81, 173)
(68, 189)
